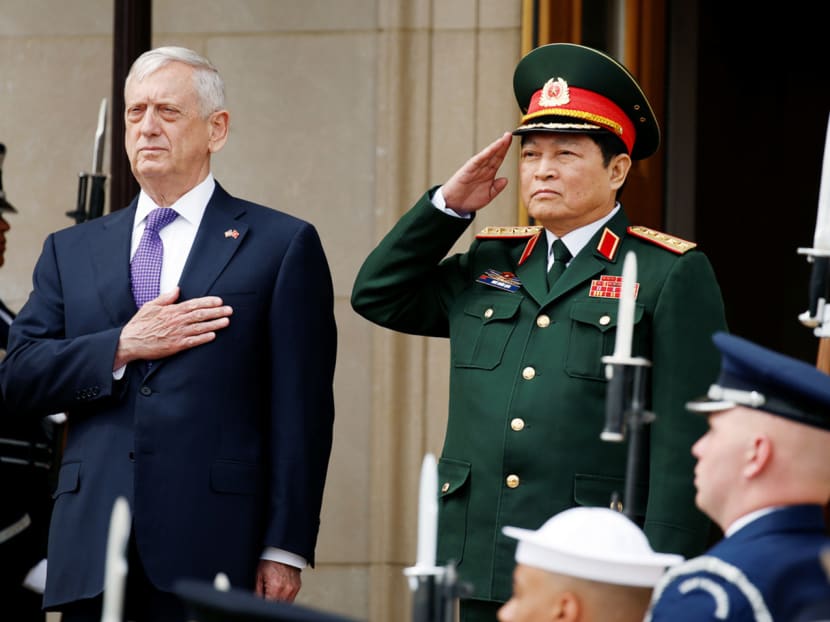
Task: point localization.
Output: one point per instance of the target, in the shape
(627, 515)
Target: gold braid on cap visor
(579, 114)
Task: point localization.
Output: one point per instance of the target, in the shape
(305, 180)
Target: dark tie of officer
(561, 257)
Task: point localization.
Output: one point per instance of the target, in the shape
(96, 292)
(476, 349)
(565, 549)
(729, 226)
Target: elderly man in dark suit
(191, 340)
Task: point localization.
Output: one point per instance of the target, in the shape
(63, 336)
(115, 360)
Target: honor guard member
(527, 388)
(207, 603)
(6, 315)
(763, 475)
(26, 449)
(583, 565)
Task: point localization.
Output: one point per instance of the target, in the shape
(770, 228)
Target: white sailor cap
(592, 543)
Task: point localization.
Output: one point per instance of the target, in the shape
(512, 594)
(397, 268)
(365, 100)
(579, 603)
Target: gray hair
(210, 88)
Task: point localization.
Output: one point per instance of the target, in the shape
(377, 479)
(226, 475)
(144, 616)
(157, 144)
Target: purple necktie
(146, 264)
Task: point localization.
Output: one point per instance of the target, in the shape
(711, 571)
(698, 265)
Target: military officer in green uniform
(528, 387)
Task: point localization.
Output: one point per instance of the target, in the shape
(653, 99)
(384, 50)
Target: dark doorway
(762, 101)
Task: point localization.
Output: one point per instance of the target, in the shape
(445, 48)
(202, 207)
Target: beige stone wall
(342, 112)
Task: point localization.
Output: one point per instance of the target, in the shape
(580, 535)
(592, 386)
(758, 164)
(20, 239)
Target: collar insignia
(608, 244)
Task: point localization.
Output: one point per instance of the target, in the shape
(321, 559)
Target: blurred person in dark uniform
(763, 475)
(26, 450)
(531, 311)
(6, 315)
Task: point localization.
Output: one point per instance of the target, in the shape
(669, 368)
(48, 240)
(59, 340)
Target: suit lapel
(220, 235)
(109, 241)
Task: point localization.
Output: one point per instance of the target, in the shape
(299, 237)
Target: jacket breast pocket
(454, 499)
(593, 330)
(479, 336)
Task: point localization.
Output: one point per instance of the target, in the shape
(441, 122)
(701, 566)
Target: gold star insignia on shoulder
(516, 233)
(508, 232)
(664, 240)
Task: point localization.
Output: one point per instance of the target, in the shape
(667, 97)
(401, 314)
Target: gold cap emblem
(554, 93)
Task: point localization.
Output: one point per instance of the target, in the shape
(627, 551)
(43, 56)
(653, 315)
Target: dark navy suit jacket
(221, 450)
(766, 571)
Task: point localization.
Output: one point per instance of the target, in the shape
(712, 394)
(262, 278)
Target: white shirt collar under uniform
(744, 520)
(577, 239)
(179, 235)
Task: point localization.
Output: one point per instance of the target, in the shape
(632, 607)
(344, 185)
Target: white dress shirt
(178, 236)
(576, 240)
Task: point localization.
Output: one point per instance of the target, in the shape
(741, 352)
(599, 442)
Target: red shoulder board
(503, 233)
(664, 240)
(608, 244)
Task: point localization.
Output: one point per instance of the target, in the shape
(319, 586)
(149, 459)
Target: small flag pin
(232, 233)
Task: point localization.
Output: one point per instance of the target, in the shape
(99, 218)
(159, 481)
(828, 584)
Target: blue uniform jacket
(767, 571)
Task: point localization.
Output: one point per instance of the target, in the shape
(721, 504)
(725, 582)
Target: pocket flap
(241, 478)
(452, 475)
(69, 478)
(601, 316)
(596, 491)
(491, 308)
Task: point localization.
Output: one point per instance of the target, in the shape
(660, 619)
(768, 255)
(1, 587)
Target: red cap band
(556, 98)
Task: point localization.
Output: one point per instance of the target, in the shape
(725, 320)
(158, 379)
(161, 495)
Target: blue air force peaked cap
(205, 603)
(756, 377)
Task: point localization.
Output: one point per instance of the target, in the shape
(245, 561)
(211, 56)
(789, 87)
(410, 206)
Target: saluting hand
(276, 581)
(163, 327)
(475, 184)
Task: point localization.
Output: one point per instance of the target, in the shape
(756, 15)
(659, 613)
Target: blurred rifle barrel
(91, 186)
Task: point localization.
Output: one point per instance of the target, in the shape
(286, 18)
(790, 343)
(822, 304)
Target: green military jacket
(528, 386)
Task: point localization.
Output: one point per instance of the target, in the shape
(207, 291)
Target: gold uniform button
(605, 320)
(543, 321)
(616, 505)
(488, 313)
(445, 487)
(528, 373)
(517, 424)
(512, 481)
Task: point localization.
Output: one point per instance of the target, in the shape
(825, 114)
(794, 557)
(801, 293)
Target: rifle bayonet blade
(100, 133)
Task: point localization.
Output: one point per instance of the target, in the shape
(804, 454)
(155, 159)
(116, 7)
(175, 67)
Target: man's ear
(758, 456)
(619, 167)
(219, 123)
(568, 607)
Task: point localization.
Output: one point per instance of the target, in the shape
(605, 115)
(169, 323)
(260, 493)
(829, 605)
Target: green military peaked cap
(565, 87)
